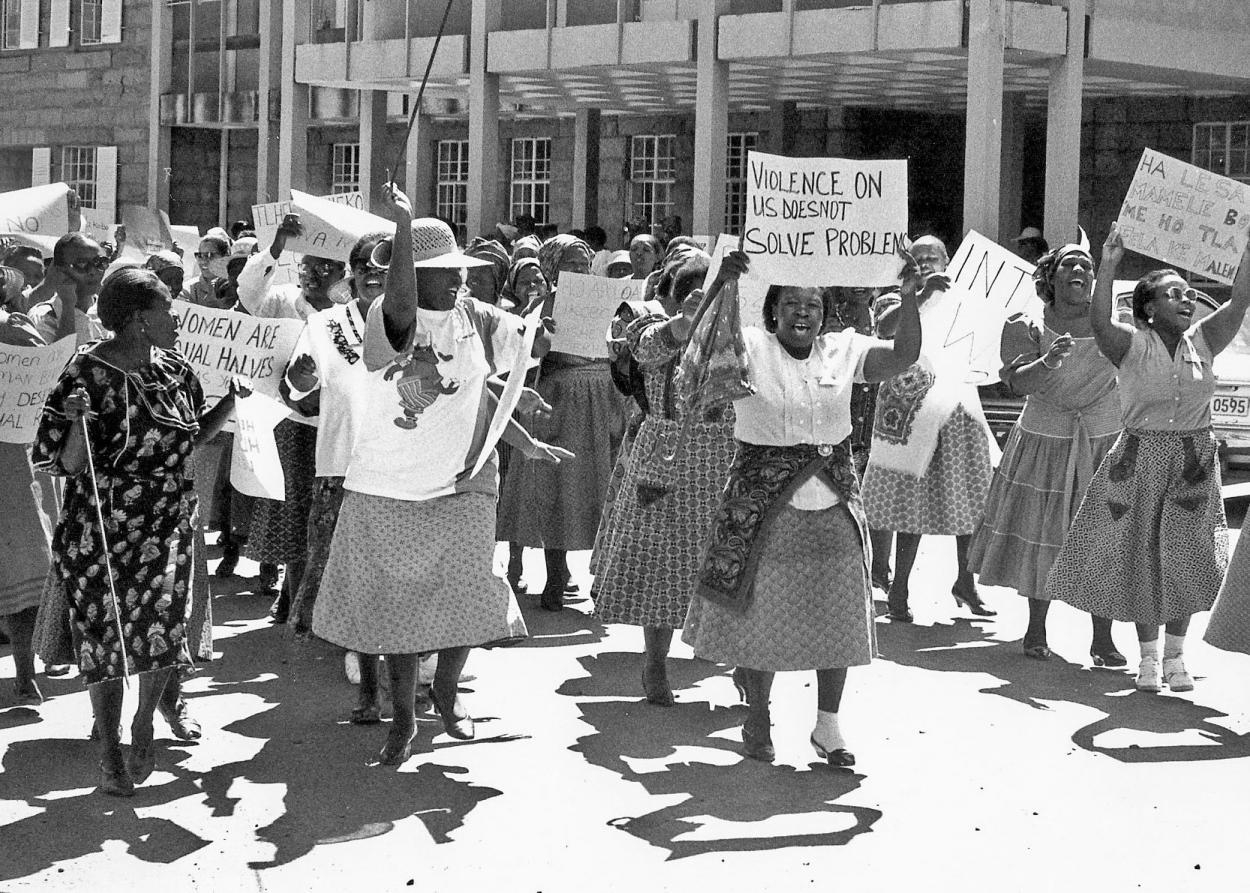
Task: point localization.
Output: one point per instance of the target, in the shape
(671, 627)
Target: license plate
(1230, 406)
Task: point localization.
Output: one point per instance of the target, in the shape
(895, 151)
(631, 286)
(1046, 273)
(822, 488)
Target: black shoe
(456, 726)
(898, 611)
(267, 579)
(229, 560)
(1105, 654)
(552, 601)
(280, 610)
(758, 745)
(840, 758)
(971, 599)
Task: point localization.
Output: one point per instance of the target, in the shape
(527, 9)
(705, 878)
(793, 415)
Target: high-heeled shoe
(456, 726)
(393, 753)
(229, 560)
(142, 757)
(655, 687)
(971, 599)
(1105, 654)
(758, 745)
(739, 677)
(897, 609)
(115, 780)
(839, 757)
(183, 727)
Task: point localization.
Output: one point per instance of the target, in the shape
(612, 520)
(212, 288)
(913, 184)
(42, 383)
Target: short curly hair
(827, 301)
(1144, 291)
(126, 292)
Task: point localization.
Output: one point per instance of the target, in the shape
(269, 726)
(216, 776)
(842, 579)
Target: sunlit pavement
(977, 769)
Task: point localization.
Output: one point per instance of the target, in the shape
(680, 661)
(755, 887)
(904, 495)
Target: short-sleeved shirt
(87, 325)
(1160, 392)
(260, 297)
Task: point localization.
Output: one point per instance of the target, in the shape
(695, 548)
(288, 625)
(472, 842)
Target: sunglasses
(1175, 292)
(322, 267)
(363, 266)
(83, 267)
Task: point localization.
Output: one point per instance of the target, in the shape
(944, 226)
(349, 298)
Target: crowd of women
(757, 525)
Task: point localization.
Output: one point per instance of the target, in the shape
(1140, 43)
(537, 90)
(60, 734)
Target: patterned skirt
(1149, 543)
(404, 577)
(25, 533)
(558, 506)
(653, 535)
(326, 502)
(279, 530)
(811, 608)
(1229, 627)
(619, 467)
(1036, 492)
(949, 500)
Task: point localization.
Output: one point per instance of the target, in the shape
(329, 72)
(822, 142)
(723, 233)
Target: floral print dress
(141, 439)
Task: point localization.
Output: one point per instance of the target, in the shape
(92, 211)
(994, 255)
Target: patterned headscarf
(553, 251)
(490, 250)
(509, 289)
(1048, 265)
(526, 246)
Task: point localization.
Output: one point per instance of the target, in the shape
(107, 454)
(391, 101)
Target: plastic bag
(714, 367)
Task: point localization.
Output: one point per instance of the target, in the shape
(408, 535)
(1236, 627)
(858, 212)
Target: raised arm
(1113, 337)
(1222, 326)
(399, 307)
(885, 362)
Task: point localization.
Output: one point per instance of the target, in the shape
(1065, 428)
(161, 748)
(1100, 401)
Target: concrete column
(1012, 168)
(711, 123)
(1063, 132)
(586, 129)
(270, 79)
(419, 166)
(783, 123)
(374, 157)
(484, 159)
(293, 124)
(223, 177)
(984, 125)
(160, 83)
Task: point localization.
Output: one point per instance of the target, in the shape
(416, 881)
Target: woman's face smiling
(1073, 280)
(529, 284)
(1172, 307)
(800, 313)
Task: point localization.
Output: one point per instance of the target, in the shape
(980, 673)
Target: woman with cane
(120, 425)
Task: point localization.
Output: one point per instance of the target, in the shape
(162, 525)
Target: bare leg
(21, 629)
(757, 741)
(965, 588)
(905, 548)
(881, 541)
(655, 672)
(516, 567)
(456, 720)
(173, 708)
(106, 709)
(142, 745)
(403, 673)
(557, 579)
(827, 738)
(829, 687)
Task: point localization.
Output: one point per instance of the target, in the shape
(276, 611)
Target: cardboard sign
(1186, 216)
(27, 375)
(752, 288)
(97, 225)
(188, 239)
(147, 230)
(332, 224)
(220, 344)
(988, 284)
(255, 468)
(269, 215)
(584, 308)
(40, 211)
(825, 221)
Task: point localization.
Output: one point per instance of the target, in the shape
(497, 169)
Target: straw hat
(433, 245)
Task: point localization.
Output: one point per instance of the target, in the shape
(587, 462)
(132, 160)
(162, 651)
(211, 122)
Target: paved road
(978, 770)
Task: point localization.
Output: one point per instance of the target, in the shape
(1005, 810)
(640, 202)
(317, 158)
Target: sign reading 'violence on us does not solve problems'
(825, 221)
(27, 375)
(1187, 216)
(221, 344)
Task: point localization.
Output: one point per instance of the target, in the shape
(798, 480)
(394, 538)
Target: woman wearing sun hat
(411, 564)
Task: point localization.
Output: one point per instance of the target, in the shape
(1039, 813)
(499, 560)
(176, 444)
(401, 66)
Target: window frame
(1227, 153)
(736, 179)
(97, 37)
(344, 170)
(451, 182)
(10, 11)
(531, 181)
(651, 185)
(69, 169)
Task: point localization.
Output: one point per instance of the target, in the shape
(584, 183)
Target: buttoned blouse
(1161, 392)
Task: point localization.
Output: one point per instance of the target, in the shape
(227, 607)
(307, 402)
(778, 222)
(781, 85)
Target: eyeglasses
(321, 266)
(1175, 292)
(363, 266)
(83, 267)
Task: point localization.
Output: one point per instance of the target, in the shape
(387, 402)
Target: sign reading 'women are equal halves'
(825, 221)
(1187, 216)
(222, 344)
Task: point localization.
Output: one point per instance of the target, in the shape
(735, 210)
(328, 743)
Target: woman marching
(1070, 420)
(654, 532)
(144, 412)
(784, 582)
(1149, 544)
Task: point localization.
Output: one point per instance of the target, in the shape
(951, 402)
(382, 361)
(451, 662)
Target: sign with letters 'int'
(825, 221)
(1186, 216)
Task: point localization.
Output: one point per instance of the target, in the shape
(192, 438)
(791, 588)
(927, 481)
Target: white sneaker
(1175, 674)
(351, 666)
(1148, 675)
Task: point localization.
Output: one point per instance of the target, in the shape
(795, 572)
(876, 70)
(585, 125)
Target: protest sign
(331, 224)
(147, 230)
(988, 284)
(220, 344)
(27, 374)
(269, 215)
(188, 239)
(97, 225)
(583, 309)
(752, 288)
(40, 211)
(255, 468)
(1186, 216)
(825, 221)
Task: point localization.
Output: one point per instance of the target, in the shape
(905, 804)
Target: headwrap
(553, 251)
(11, 284)
(162, 259)
(509, 288)
(1048, 264)
(526, 246)
(490, 250)
(617, 257)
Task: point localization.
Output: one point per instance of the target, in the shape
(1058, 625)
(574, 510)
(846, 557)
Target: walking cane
(108, 565)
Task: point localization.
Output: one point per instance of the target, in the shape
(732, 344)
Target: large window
(10, 24)
(89, 21)
(736, 180)
(345, 168)
(652, 173)
(451, 196)
(78, 169)
(1223, 148)
(531, 178)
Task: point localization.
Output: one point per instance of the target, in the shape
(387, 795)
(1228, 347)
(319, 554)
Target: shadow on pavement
(725, 796)
(963, 647)
(575, 625)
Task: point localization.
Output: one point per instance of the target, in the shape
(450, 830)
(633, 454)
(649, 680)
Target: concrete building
(1011, 112)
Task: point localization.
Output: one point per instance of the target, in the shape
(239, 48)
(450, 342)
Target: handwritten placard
(332, 223)
(41, 211)
(825, 221)
(988, 284)
(269, 215)
(27, 375)
(1186, 216)
(220, 344)
(255, 468)
(584, 308)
